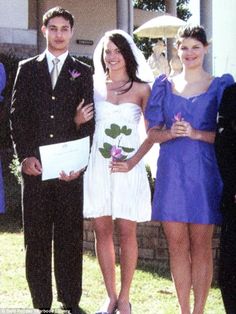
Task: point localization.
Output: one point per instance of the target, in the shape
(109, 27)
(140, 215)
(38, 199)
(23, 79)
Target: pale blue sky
(194, 9)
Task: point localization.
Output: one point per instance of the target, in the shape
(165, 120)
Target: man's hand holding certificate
(64, 159)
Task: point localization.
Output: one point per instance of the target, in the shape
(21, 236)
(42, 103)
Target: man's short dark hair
(58, 11)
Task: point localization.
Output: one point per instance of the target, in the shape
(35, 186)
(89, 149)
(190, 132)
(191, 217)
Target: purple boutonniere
(74, 74)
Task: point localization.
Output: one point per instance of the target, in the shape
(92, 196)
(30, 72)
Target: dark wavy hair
(58, 11)
(192, 31)
(127, 53)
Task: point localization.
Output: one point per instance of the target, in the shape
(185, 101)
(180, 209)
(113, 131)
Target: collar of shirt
(50, 57)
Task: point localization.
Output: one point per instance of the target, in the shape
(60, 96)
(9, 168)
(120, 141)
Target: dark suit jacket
(226, 146)
(42, 116)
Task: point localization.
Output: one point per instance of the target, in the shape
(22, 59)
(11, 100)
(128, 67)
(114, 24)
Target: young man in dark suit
(226, 154)
(45, 111)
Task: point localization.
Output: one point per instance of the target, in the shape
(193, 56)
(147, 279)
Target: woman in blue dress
(182, 114)
(2, 86)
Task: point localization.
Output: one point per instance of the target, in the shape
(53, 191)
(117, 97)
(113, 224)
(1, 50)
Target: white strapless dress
(120, 195)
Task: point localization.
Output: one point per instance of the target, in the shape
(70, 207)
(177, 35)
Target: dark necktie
(54, 72)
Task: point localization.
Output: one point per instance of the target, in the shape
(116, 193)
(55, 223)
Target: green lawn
(150, 293)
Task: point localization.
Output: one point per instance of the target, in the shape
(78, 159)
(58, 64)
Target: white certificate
(67, 156)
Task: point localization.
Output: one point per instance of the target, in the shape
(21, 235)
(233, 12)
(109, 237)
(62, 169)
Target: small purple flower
(177, 117)
(116, 152)
(74, 74)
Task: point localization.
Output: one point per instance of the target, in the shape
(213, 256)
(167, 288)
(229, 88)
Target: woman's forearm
(155, 135)
(141, 152)
(158, 135)
(205, 136)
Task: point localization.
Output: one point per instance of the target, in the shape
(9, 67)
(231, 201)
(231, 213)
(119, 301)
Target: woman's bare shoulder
(142, 87)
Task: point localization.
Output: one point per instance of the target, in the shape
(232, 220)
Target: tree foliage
(159, 5)
(145, 44)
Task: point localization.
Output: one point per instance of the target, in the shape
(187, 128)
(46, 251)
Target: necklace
(120, 89)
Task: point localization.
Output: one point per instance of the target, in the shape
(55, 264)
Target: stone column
(124, 12)
(206, 22)
(171, 8)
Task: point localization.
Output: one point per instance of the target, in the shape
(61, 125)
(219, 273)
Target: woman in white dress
(121, 91)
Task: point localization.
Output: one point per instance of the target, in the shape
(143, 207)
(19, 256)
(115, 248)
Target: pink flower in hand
(178, 117)
(74, 74)
(116, 152)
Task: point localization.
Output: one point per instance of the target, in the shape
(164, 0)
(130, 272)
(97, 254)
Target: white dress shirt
(50, 57)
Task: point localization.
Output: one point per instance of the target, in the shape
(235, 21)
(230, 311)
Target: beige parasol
(162, 26)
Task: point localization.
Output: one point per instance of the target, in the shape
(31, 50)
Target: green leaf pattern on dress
(114, 132)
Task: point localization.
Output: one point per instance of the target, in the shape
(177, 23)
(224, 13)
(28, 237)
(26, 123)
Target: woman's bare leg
(177, 235)
(128, 261)
(103, 227)
(202, 263)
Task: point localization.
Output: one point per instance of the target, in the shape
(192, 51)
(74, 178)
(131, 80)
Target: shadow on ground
(10, 222)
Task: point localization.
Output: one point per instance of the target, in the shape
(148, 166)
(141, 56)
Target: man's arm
(22, 121)
(87, 128)
(226, 140)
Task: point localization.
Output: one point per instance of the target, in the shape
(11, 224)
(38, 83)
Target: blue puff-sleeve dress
(2, 86)
(188, 184)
